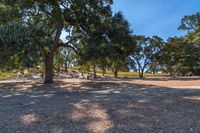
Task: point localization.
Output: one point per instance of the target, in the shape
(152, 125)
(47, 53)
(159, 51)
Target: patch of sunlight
(77, 115)
(39, 96)
(7, 96)
(102, 92)
(28, 119)
(98, 120)
(106, 91)
(17, 94)
(99, 126)
(116, 92)
(123, 111)
(85, 100)
(78, 106)
(24, 86)
(102, 121)
(57, 130)
(78, 112)
(193, 98)
(48, 95)
(142, 89)
(143, 101)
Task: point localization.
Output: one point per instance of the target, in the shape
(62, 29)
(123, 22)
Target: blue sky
(156, 17)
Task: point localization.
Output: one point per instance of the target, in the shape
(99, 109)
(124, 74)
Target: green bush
(7, 75)
(26, 74)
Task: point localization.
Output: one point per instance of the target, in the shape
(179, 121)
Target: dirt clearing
(100, 106)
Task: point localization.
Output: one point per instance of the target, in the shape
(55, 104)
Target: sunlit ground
(100, 106)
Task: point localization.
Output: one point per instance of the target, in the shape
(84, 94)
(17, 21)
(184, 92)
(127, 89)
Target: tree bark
(141, 73)
(82, 74)
(48, 65)
(103, 71)
(48, 58)
(116, 73)
(94, 71)
(154, 72)
(66, 67)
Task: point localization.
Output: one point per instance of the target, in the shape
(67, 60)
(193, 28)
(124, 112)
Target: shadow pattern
(97, 107)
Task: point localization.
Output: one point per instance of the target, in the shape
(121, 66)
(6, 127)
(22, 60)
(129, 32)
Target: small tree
(121, 43)
(145, 52)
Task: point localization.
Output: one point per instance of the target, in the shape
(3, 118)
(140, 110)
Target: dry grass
(100, 106)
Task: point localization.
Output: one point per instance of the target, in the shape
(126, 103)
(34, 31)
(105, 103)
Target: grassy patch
(7, 75)
(124, 74)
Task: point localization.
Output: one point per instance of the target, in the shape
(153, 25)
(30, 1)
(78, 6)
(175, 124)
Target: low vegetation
(7, 75)
(120, 73)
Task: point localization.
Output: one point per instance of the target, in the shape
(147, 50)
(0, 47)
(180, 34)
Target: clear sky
(156, 17)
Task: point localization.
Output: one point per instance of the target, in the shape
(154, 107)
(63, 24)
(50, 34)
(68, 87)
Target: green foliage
(26, 74)
(109, 45)
(191, 23)
(122, 42)
(144, 58)
(30, 32)
(180, 56)
(7, 75)
(36, 30)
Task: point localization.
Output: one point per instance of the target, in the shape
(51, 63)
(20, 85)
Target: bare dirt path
(100, 106)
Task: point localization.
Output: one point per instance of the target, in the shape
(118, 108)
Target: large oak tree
(46, 20)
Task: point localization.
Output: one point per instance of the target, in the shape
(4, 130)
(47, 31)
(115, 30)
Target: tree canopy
(94, 36)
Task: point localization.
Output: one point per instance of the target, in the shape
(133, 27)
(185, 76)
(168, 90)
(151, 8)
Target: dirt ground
(100, 106)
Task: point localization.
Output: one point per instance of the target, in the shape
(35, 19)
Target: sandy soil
(100, 106)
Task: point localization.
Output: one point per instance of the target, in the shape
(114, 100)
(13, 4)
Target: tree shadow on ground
(97, 107)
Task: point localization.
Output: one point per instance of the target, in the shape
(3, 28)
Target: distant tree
(69, 58)
(180, 55)
(169, 55)
(157, 44)
(121, 43)
(109, 45)
(191, 23)
(145, 54)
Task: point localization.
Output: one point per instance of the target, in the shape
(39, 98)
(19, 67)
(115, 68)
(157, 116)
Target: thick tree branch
(43, 51)
(65, 45)
(55, 44)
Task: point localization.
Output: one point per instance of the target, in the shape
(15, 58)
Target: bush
(26, 74)
(7, 75)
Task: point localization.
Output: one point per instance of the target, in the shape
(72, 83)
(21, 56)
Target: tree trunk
(116, 73)
(48, 65)
(58, 68)
(141, 74)
(94, 70)
(154, 72)
(66, 67)
(48, 57)
(170, 72)
(103, 71)
(82, 74)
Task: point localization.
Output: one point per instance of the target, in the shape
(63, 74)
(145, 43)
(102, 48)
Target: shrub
(7, 75)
